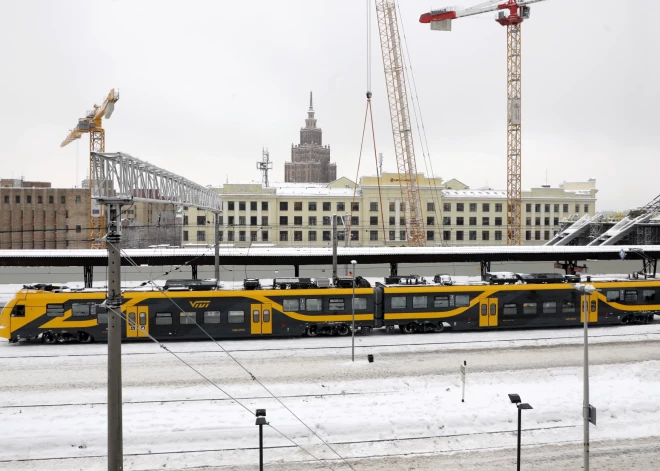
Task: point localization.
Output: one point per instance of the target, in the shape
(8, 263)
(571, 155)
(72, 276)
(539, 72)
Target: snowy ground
(403, 411)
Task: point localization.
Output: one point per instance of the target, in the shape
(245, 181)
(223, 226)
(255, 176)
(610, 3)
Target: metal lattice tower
(264, 165)
(395, 82)
(513, 136)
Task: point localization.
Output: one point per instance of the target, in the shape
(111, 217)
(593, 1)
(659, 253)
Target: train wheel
(343, 330)
(84, 337)
(61, 338)
(49, 337)
(440, 327)
(311, 331)
(408, 328)
(428, 327)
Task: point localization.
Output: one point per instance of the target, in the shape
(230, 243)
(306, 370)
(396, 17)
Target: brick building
(310, 160)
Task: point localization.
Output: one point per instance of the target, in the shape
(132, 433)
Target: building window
(446, 221)
(556, 221)
(264, 236)
(373, 220)
(253, 236)
(264, 220)
(586, 207)
(402, 221)
(327, 220)
(312, 220)
(565, 208)
(230, 220)
(528, 207)
(297, 236)
(577, 208)
(498, 207)
(392, 235)
(556, 208)
(373, 206)
(40, 199)
(546, 235)
(459, 235)
(326, 236)
(498, 221)
(185, 220)
(473, 221)
(546, 221)
(459, 221)
(430, 221)
(341, 206)
(201, 236)
(201, 220)
(537, 235)
(537, 221)
(28, 199)
(18, 199)
(446, 235)
(498, 235)
(230, 236)
(528, 235)
(241, 205)
(297, 206)
(241, 220)
(392, 221)
(430, 235)
(430, 207)
(326, 206)
(446, 207)
(253, 220)
(537, 208)
(485, 235)
(355, 235)
(355, 221)
(311, 206)
(264, 205)
(78, 228)
(373, 235)
(297, 221)
(460, 207)
(7, 199)
(355, 206)
(402, 235)
(220, 220)
(473, 207)
(284, 206)
(546, 208)
(485, 207)
(221, 236)
(284, 236)
(230, 205)
(51, 199)
(473, 235)
(241, 236)
(284, 220)
(311, 236)
(185, 236)
(392, 206)
(485, 221)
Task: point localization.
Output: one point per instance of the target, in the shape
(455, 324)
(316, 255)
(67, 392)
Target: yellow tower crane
(92, 123)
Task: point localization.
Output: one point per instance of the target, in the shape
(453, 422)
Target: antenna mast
(264, 165)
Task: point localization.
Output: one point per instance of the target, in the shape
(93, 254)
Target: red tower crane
(511, 14)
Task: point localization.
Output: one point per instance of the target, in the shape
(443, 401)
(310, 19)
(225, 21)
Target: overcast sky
(205, 84)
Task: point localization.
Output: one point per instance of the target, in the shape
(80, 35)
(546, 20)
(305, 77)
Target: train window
(211, 317)
(420, 301)
(18, 311)
(163, 318)
(493, 309)
(462, 300)
(630, 296)
(529, 308)
(143, 318)
(441, 301)
(398, 302)
(360, 303)
(80, 310)
(291, 304)
(568, 306)
(236, 317)
(550, 307)
(593, 306)
(336, 304)
(648, 295)
(102, 318)
(510, 309)
(54, 310)
(266, 315)
(484, 309)
(314, 304)
(613, 295)
(188, 318)
(255, 316)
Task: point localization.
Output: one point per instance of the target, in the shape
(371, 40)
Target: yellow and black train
(55, 315)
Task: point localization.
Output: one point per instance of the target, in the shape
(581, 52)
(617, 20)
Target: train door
(261, 319)
(591, 305)
(137, 321)
(488, 312)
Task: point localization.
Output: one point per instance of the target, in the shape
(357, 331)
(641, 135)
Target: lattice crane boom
(397, 97)
(92, 123)
(518, 10)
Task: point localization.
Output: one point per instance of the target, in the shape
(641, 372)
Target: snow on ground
(403, 411)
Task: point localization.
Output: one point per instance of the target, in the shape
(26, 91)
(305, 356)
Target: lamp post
(261, 421)
(585, 291)
(515, 399)
(353, 262)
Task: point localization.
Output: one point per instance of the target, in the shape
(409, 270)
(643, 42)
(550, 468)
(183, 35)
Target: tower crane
(92, 124)
(397, 97)
(511, 14)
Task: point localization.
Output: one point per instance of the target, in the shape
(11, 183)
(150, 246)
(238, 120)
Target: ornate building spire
(310, 122)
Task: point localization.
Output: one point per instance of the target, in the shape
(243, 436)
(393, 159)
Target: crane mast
(400, 117)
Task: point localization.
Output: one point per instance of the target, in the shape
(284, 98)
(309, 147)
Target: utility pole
(113, 304)
(334, 248)
(346, 236)
(217, 250)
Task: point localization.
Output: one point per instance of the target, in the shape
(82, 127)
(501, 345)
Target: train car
(487, 306)
(64, 315)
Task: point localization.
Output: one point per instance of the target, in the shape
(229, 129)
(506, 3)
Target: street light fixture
(261, 421)
(353, 263)
(515, 399)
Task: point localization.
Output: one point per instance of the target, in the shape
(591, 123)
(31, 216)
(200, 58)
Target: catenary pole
(217, 250)
(585, 405)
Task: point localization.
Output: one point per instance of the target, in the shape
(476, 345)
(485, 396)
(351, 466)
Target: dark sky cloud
(205, 84)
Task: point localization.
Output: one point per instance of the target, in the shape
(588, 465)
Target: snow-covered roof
(473, 194)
